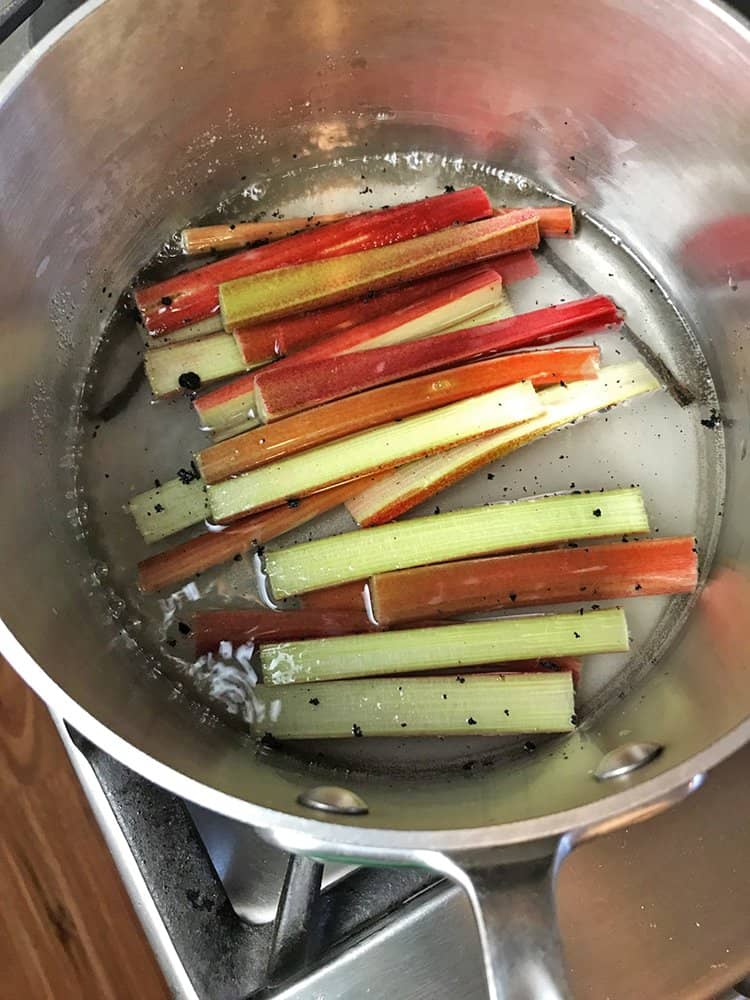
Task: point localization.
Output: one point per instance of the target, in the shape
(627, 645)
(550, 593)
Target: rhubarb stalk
(194, 296)
(290, 290)
(391, 402)
(235, 236)
(211, 628)
(557, 221)
(169, 507)
(282, 390)
(558, 576)
(419, 649)
(494, 705)
(501, 527)
(371, 451)
(410, 485)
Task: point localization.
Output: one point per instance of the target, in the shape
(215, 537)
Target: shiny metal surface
(251, 870)
(626, 758)
(514, 905)
(659, 910)
(636, 112)
(330, 798)
(296, 931)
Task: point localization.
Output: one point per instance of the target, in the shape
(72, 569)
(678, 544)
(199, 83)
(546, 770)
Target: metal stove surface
(657, 911)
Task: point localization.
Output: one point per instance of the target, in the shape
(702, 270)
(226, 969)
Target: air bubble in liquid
(257, 191)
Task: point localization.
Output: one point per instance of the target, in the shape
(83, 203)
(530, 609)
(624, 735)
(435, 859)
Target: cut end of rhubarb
(186, 367)
(228, 405)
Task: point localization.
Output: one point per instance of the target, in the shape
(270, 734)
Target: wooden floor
(67, 929)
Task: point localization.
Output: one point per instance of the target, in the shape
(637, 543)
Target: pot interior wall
(141, 118)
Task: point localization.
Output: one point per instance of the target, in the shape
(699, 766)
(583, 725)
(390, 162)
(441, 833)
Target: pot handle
(13, 13)
(514, 907)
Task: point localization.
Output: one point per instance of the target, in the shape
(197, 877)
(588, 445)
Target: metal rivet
(626, 758)
(330, 798)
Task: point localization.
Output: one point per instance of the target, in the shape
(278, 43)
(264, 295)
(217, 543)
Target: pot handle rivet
(332, 799)
(626, 758)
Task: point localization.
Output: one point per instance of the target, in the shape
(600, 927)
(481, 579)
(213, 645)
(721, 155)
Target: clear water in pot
(666, 443)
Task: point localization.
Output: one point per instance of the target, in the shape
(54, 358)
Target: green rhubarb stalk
(482, 705)
(500, 527)
(410, 485)
(206, 359)
(168, 508)
(458, 646)
(294, 289)
(372, 450)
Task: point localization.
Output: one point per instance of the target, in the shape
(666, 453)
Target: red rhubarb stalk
(190, 297)
(214, 547)
(289, 290)
(210, 628)
(557, 221)
(293, 334)
(558, 576)
(345, 597)
(379, 406)
(235, 236)
(457, 303)
(554, 222)
(515, 266)
(284, 389)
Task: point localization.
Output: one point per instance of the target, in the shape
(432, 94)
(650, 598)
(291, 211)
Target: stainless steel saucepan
(133, 117)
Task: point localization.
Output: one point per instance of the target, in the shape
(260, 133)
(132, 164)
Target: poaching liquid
(670, 443)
